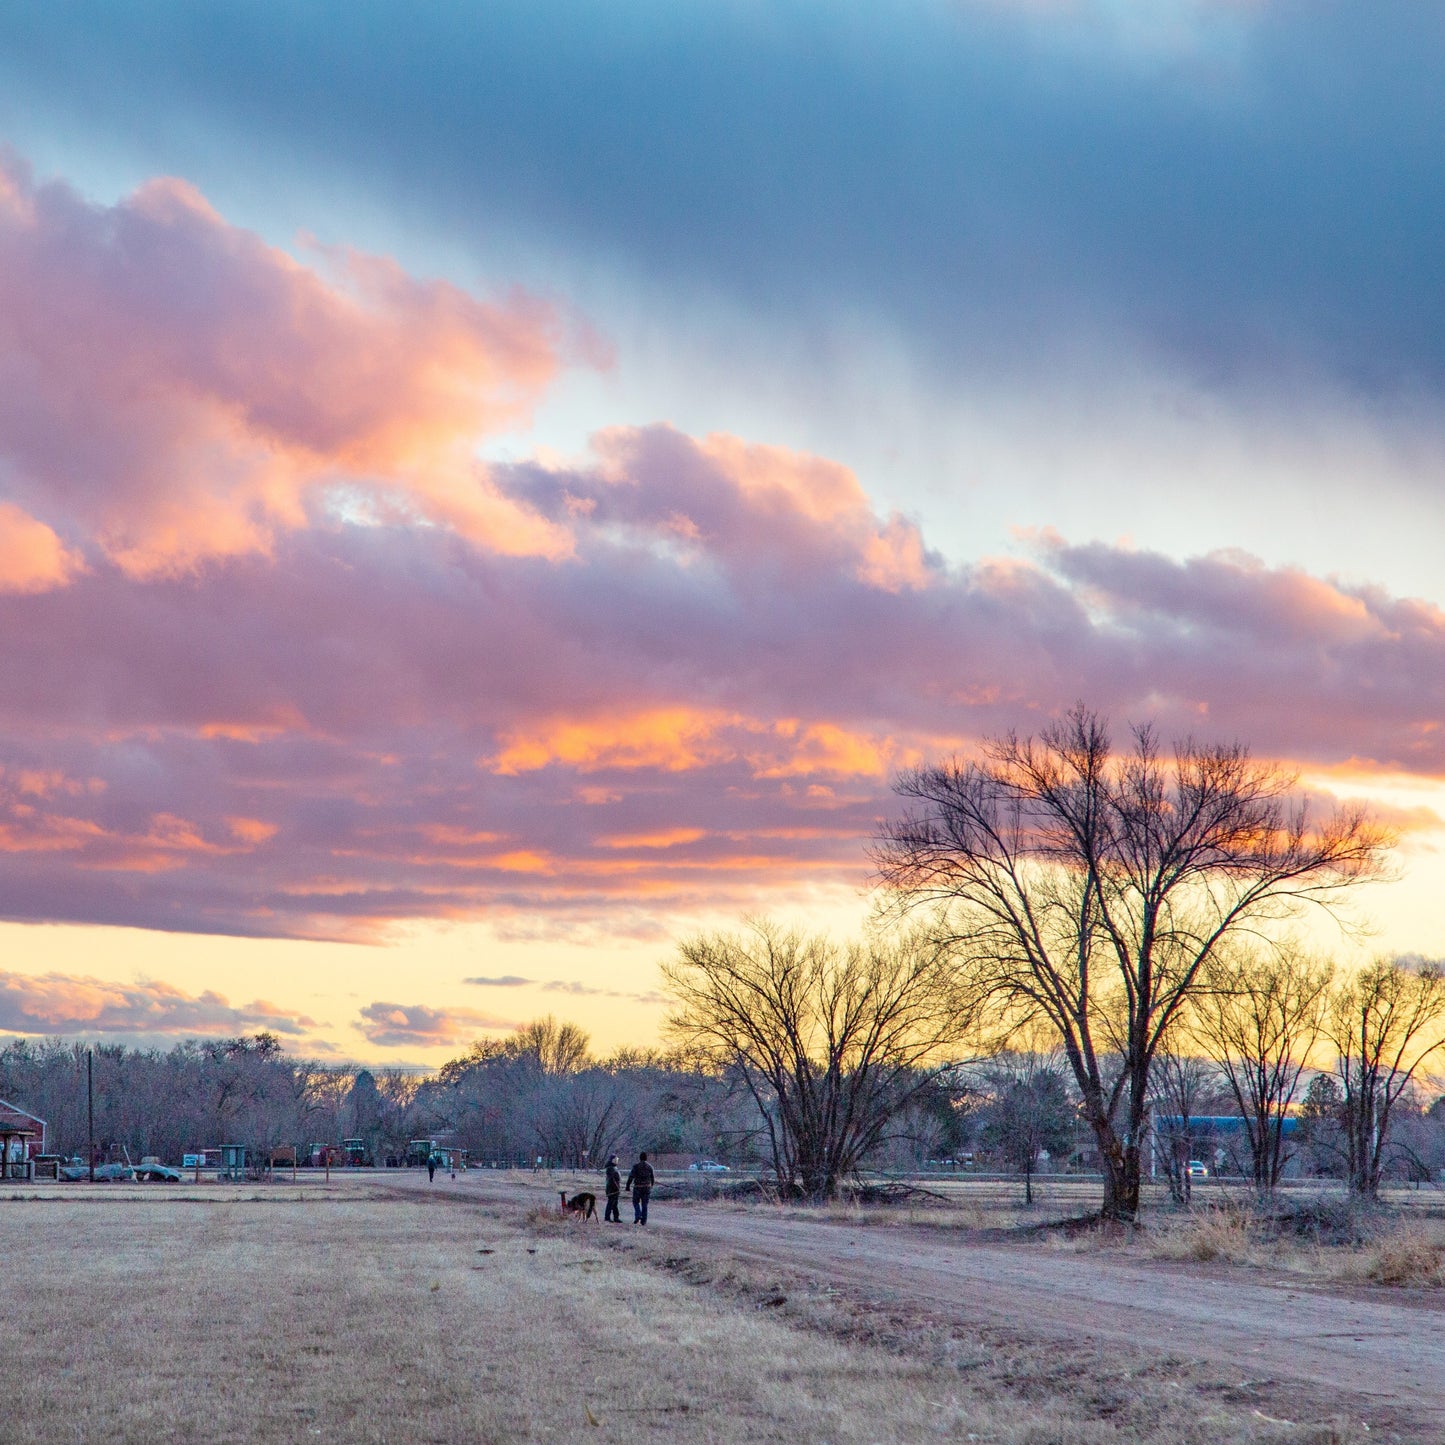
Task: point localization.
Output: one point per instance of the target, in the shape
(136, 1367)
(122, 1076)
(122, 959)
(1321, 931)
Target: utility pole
(90, 1106)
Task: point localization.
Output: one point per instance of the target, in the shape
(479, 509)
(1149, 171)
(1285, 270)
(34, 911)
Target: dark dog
(583, 1204)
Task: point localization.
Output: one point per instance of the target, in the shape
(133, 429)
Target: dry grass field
(353, 1312)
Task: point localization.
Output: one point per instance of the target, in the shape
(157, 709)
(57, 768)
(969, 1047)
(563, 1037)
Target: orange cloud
(457, 837)
(32, 557)
(674, 739)
(682, 739)
(663, 838)
(824, 748)
(252, 830)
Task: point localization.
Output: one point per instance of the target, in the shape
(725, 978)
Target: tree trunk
(1364, 1153)
(1121, 1164)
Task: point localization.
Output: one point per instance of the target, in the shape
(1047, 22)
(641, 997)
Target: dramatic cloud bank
(279, 657)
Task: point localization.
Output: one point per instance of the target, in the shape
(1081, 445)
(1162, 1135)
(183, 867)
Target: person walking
(431, 1168)
(612, 1214)
(640, 1180)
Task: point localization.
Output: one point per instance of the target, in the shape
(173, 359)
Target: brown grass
(350, 1313)
(1373, 1247)
(1207, 1235)
(1409, 1254)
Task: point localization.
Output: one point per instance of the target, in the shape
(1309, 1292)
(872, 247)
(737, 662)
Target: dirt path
(1379, 1349)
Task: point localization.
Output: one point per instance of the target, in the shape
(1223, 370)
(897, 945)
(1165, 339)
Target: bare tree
(1322, 1127)
(1259, 1018)
(832, 1041)
(580, 1117)
(1089, 887)
(1027, 1111)
(1386, 1025)
(557, 1048)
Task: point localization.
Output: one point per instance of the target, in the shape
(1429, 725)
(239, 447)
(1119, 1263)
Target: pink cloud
(58, 1003)
(748, 507)
(395, 1025)
(453, 733)
(177, 389)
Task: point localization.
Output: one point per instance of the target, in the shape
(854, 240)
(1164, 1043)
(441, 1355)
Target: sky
(486, 492)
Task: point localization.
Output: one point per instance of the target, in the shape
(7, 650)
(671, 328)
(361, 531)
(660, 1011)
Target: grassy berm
(350, 1314)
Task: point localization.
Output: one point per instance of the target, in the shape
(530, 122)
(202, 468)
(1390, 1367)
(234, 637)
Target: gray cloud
(1237, 185)
(586, 990)
(507, 980)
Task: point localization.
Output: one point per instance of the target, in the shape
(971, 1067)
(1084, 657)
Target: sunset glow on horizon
(466, 523)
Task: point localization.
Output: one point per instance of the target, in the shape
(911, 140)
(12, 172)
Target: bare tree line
(1128, 906)
(538, 1093)
(198, 1094)
(1089, 889)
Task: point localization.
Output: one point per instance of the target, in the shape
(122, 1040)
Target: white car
(709, 1166)
(1197, 1169)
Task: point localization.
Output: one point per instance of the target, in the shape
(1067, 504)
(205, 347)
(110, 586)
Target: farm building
(22, 1137)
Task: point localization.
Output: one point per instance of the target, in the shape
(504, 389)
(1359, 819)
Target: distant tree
(1089, 887)
(832, 1041)
(1322, 1126)
(1385, 1023)
(557, 1048)
(580, 1117)
(1259, 1018)
(1027, 1112)
(364, 1106)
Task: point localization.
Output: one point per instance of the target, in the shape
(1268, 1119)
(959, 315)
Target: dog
(583, 1204)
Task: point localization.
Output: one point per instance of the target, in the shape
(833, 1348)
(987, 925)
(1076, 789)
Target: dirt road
(1385, 1348)
(1391, 1350)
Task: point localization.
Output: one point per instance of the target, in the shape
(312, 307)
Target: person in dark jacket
(431, 1168)
(639, 1181)
(614, 1192)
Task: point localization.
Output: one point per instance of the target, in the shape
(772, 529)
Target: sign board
(192, 1161)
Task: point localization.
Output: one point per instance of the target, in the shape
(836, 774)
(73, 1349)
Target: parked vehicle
(709, 1166)
(104, 1173)
(158, 1173)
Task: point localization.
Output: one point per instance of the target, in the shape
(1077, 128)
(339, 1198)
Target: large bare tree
(1088, 887)
(1387, 1023)
(833, 1041)
(1259, 1018)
